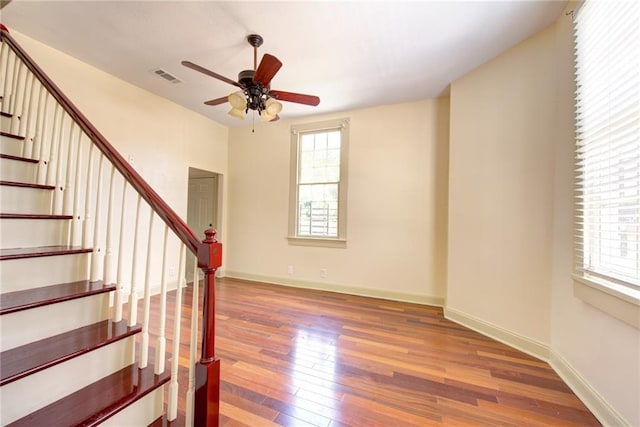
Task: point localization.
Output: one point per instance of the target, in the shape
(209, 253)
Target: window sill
(317, 242)
(617, 300)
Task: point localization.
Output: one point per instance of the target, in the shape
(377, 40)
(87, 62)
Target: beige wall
(603, 350)
(396, 222)
(500, 198)
(163, 139)
(510, 223)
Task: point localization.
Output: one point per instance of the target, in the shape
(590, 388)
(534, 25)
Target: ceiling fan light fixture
(265, 117)
(237, 100)
(273, 107)
(237, 113)
(255, 87)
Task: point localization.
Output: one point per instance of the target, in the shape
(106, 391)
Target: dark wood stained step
(3, 114)
(31, 298)
(36, 356)
(27, 185)
(162, 422)
(10, 135)
(41, 251)
(33, 216)
(18, 158)
(97, 402)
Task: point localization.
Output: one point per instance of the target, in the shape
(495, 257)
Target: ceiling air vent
(167, 76)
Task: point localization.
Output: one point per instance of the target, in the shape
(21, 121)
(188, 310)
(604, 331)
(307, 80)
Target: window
(607, 245)
(318, 183)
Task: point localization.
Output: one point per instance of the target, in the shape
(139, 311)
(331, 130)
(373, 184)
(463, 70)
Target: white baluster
(10, 69)
(27, 106)
(17, 67)
(63, 144)
(144, 345)
(172, 405)
(69, 186)
(34, 118)
(161, 341)
(87, 237)
(108, 256)
(41, 140)
(193, 346)
(4, 58)
(76, 223)
(53, 145)
(133, 295)
(21, 98)
(97, 255)
(120, 279)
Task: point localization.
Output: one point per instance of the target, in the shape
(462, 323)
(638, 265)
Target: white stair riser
(25, 200)
(141, 413)
(26, 326)
(19, 399)
(18, 171)
(19, 274)
(11, 146)
(5, 122)
(24, 233)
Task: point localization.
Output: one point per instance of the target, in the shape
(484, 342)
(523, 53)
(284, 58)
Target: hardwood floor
(294, 357)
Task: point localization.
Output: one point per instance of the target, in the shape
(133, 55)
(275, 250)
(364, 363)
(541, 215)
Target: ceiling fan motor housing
(245, 78)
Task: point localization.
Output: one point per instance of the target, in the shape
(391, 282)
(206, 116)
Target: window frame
(297, 131)
(605, 292)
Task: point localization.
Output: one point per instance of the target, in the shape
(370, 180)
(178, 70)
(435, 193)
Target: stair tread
(27, 185)
(33, 357)
(40, 251)
(97, 402)
(33, 216)
(12, 302)
(18, 158)
(11, 135)
(163, 422)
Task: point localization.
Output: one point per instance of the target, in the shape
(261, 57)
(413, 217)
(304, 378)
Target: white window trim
(616, 299)
(331, 242)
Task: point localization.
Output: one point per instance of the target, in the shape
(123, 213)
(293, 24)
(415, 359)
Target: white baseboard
(531, 347)
(600, 408)
(331, 287)
(604, 412)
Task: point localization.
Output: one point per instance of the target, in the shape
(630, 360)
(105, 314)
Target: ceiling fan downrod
(256, 41)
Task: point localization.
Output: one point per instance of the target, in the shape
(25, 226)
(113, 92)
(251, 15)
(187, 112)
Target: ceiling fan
(255, 93)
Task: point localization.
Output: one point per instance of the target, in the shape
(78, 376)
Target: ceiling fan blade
(209, 73)
(295, 97)
(268, 68)
(217, 101)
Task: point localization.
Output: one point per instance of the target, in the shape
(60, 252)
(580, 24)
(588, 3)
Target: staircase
(84, 240)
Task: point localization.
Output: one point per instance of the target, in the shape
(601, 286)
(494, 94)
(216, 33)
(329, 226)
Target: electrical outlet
(172, 272)
(290, 270)
(323, 273)
(130, 160)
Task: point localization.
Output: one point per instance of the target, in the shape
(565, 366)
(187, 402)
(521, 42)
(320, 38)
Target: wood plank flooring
(294, 357)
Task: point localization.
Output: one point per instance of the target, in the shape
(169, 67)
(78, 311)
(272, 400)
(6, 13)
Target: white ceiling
(352, 54)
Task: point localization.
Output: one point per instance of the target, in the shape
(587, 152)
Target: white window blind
(607, 44)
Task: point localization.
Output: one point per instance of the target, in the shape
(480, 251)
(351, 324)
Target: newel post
(207, 387)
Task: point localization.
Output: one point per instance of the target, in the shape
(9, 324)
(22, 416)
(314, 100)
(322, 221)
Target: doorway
(203, 206)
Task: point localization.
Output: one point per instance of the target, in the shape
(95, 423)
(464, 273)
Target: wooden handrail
(162, 209)
(208, 252)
